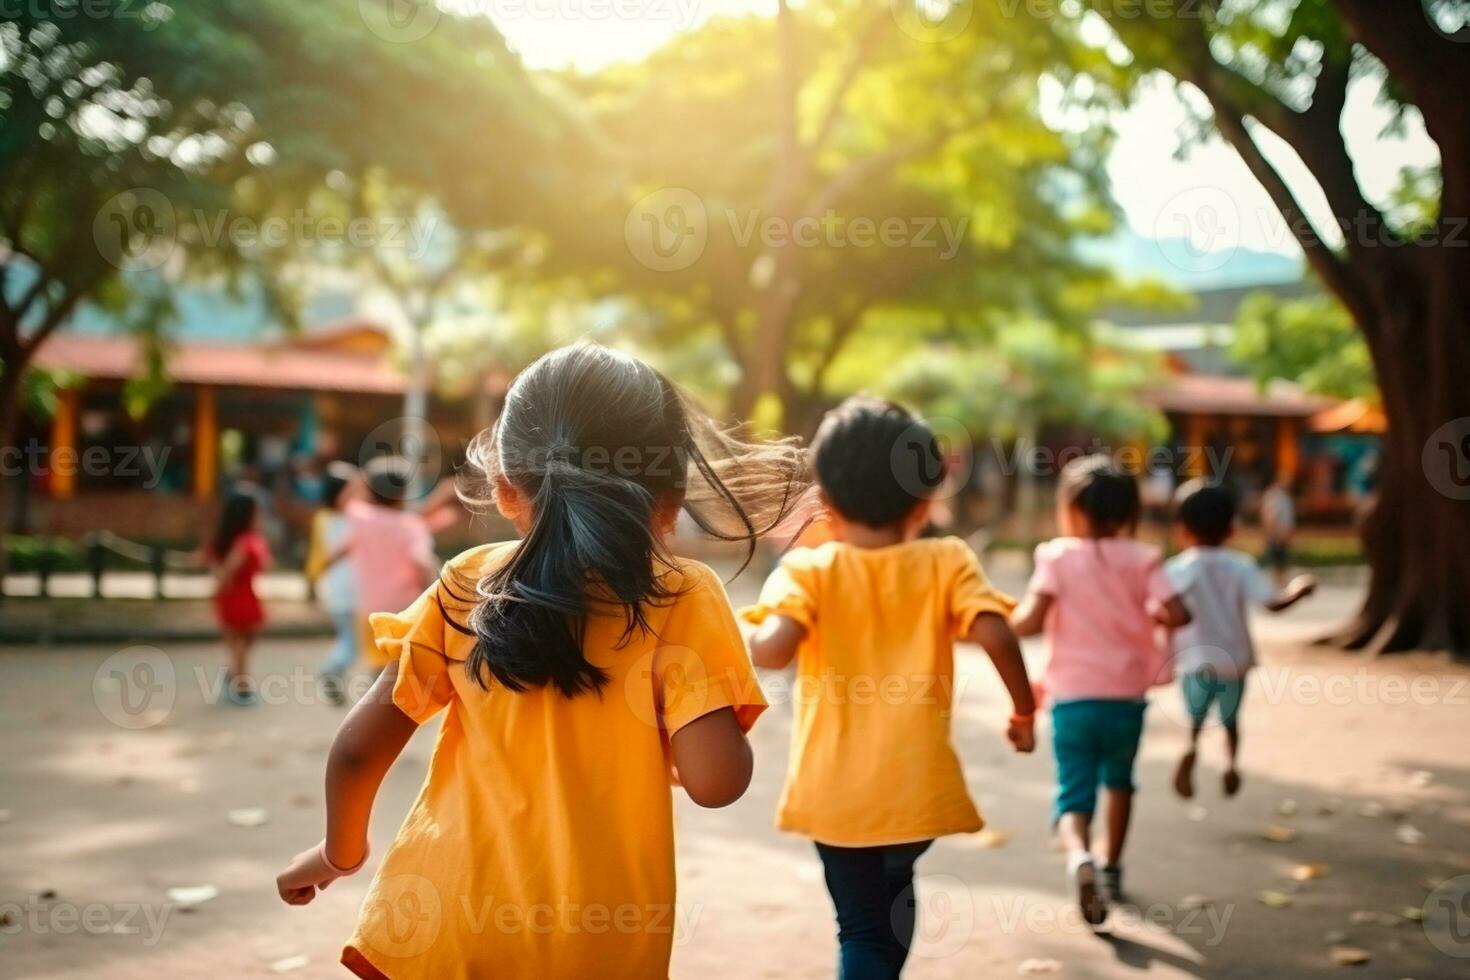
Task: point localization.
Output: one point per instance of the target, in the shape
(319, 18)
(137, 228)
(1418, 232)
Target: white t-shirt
(1216, 585)
(337, 588)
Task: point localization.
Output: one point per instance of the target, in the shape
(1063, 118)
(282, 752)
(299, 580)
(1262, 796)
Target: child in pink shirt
(391, 549)
(1099, 596)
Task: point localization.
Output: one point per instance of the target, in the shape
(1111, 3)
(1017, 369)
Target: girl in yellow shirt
(575, 668)
(871, 618)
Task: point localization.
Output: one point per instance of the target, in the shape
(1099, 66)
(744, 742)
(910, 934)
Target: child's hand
(1022, 735)
(1302, 586)
(307, 872)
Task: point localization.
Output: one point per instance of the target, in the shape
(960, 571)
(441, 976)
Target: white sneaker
(1082, 873)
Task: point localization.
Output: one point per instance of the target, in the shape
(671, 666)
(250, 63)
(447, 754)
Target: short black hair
(876, 461)
(1105, 493)
(390, 480)
(337, 478)
(1206, 509)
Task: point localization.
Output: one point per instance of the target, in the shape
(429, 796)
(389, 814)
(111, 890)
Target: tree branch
(869, 167)
(842, 331)
(1432, 68)
(1324, 262)
(854, 65)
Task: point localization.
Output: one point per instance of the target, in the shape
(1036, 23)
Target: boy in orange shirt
(871, 618)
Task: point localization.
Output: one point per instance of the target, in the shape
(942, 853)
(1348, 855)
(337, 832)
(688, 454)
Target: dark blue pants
(872, 889)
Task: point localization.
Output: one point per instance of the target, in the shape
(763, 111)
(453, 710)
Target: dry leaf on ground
(1309, 872)
(247, 816)
(1350, 956)
(191, 895)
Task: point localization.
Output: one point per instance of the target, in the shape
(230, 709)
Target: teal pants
(1095, 743)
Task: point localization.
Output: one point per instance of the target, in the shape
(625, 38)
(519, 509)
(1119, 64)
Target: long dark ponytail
(598, 442)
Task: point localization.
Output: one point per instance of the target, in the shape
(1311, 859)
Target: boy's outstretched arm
(775, 641)
(369, 741)
(713, 759)
(1029, 619)
(992, 632)
(1296, 590)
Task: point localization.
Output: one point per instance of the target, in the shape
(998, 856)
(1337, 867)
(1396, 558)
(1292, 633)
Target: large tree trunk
(1417, 534)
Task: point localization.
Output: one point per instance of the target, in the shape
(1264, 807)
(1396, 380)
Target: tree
(746, 160)
(1284, 69)
(1310, 341)
(138, 138)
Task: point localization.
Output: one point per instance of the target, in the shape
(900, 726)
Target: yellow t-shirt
(871, 759)
(542, 842)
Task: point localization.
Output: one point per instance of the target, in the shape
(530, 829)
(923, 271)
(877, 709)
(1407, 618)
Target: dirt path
(1358, 761)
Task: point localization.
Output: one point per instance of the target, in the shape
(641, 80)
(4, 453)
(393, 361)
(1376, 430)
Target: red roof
(279, 365)
(1357, 416)
(1207, 394)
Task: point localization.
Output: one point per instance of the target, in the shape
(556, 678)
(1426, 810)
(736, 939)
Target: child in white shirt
(1214, 652)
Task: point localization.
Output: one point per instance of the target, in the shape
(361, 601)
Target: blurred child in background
(238, 553)
(390, 548)
(1214, 652)
(335, 583)
(576, 666)
(871, 615)
(1098, 595)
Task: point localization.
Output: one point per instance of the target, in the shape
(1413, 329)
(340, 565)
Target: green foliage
(140, 138)
(845, 118)
(1035, 377)
(1310, 341)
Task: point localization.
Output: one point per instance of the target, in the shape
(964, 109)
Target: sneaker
(239, 692)
(1112, 883)
(1082, 872)
(1184, 777)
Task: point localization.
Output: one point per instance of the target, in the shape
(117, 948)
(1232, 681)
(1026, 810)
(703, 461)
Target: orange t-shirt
(871, 759)
(542, 842)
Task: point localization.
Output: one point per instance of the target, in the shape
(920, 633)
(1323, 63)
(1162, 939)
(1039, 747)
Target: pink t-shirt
(1104, 640)
(392, 555)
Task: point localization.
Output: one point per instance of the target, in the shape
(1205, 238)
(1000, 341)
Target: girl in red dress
(238, 553)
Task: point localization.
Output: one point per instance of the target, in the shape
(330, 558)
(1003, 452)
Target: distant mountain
(1179, 263)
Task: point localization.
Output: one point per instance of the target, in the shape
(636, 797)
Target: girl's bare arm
(713, 759)
(1029, 619)
(369, 741)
